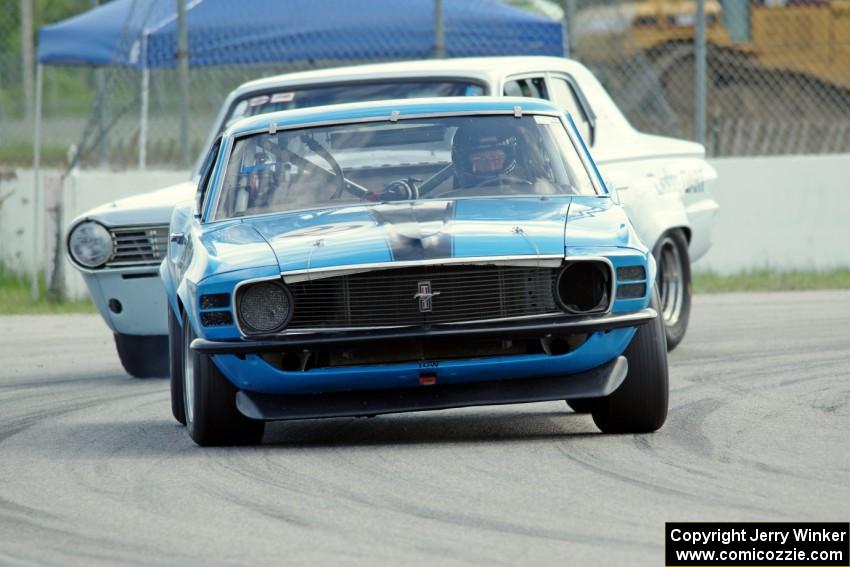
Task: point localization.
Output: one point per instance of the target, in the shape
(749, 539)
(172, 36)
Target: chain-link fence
(69, 94)
(778, 80)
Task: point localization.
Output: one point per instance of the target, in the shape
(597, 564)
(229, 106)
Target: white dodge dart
(663, 183)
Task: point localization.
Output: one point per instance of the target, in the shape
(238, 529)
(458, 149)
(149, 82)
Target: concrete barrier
(783, 212)
(790, 212)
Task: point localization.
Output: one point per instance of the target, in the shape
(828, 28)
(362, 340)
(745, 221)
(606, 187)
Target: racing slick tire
(142, 356)
(175, 356)
(210, 402)
(639, 405)
(674, 285)
(582, 405)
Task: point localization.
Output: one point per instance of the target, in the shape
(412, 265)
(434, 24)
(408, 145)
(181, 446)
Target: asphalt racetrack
(94, 471)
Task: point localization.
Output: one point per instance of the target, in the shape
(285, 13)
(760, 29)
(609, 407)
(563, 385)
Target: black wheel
(210, 402)
(639, 405)
(143, 356)
(582, 405)
(674, 285)
(175, 355)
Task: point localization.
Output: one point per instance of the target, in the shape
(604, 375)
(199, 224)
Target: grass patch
(771, 280)
(16, 298)
(19, 154)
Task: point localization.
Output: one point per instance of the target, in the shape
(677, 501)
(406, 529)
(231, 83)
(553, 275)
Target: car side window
(206, 175)
(533, 87)
(564, 95)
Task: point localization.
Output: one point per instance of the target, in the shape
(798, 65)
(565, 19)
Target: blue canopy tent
(142, 34)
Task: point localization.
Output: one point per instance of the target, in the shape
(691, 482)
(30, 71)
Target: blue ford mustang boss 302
(396, 256)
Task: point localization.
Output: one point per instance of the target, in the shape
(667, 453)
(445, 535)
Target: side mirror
(199, 201)
(177, 235)
(612, 190)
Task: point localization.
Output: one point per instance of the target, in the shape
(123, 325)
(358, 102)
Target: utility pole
(183, 67)
(439, 31)
(700, 69)
(27, 55)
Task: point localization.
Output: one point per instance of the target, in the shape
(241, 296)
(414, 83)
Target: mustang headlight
(264, 307)
(90, 244)
(582, 287)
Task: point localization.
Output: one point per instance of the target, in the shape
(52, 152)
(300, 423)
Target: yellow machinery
(656, 23)
(810, 38)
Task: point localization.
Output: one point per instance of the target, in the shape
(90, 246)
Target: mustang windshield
(423, 158)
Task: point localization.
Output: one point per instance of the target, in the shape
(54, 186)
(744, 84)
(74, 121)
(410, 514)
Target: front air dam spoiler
(598, 382)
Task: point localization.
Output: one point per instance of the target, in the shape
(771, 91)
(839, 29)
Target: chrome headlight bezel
(245, 326)
(89, 233)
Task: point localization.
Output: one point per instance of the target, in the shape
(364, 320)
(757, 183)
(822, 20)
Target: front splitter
(594, 383)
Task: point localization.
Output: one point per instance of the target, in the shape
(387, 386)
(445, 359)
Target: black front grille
(387, 297)
(138, 246)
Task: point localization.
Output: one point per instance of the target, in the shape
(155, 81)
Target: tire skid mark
(471, 521)
(395, 504)
(833, 406)
(50, 535)
(16, 426)
(653, 486)
(20, 512)
(743, 384)
(840, 372)
(105, 552)
(320, 487)
(570, 454)
(690, 418)
(388, 432)
(11, 561)
(643, 444)
(323, 490)
(53, 382)
(264, 509)
(724, 373)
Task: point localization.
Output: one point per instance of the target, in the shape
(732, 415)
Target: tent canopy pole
(439, 31)
(36, 185)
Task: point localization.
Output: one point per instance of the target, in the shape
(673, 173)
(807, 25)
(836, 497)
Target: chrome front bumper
(539, 327)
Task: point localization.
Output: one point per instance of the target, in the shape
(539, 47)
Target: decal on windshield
(283, 97)
(545, 120)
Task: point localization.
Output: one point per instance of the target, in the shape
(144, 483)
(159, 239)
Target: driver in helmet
(485, 152)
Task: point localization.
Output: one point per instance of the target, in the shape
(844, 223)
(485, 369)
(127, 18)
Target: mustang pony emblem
(424, 296)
